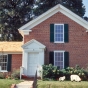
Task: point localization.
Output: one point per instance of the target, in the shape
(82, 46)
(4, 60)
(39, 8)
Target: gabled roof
(33, 44)
(58, 8)
(12, 47)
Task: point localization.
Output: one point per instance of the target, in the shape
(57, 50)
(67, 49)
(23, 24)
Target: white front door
(33, 61)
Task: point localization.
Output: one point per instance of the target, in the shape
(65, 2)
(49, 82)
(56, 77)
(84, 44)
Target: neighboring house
(10, 56)
(58, 36)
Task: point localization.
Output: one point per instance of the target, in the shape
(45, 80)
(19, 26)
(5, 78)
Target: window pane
(2, 68)
(61, 63)
(61, 39)
(58, 39)
(61, 54)
(5, 60)
(58, 58)
(58, 35)
(58, 26)
(61, 58)
(61, 35)
(61, 26)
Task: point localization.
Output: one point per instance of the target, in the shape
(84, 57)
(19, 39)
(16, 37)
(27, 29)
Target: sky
(85, 2)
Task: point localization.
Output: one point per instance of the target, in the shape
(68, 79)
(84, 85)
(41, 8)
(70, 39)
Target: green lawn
(6, 83)
(64, 84)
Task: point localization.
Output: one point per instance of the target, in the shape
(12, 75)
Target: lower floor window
(3, 62)
(59, 59)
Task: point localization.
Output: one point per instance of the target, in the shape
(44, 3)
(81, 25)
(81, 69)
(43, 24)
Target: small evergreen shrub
(15, 74)
(2, 76)
(49, 72)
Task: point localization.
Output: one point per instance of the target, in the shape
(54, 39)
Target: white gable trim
(24, 32)
(49, 13)
(35, 41)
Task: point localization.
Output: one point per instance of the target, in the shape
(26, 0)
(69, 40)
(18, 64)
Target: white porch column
(24, 62)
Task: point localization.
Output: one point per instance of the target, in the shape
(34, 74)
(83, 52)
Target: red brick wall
(78, 39)
(16, 61)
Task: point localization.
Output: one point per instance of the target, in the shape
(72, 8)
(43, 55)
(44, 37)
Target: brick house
(58, 36)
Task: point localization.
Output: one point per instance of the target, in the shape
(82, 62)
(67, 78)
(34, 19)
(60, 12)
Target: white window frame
(7, 63)
(55, 32)
(63, 56)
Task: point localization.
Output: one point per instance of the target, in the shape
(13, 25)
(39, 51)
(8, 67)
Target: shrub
(2, 76)
(15, 74)
(51, 72)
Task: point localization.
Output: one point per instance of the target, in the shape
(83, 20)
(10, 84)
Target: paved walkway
(25, 84)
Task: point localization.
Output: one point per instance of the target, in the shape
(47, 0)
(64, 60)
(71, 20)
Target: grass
(64, 84)
(6, 83)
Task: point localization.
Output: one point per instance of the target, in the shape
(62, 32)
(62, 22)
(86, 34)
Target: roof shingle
(11, 46)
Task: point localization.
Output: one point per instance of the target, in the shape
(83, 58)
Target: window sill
(59, 42)
(3, 71)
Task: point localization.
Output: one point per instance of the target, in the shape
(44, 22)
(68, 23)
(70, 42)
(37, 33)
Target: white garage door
(33, 62)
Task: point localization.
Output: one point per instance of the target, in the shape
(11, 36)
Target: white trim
(31, 41)
(33, 50)
(4, 71)
(3, 54)
(63, 56)
(52, 11)
(11, 52)
(24, 32)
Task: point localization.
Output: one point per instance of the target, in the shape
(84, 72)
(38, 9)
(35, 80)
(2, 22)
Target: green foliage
(13, 14)
(15, 74)
(74, 5)
(51, 72)
(64, 84)
(6, 83)
(2, 76)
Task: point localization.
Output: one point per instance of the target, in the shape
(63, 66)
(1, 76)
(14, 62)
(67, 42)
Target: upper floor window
(59, 33)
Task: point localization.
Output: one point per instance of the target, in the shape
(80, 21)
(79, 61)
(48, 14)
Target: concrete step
(25, 84)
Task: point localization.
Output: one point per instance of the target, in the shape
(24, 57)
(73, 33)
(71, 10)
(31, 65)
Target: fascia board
(74, 17)
(52, 11)
(40, 19)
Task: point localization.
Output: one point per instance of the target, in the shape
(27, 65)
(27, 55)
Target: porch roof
(11, 47)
